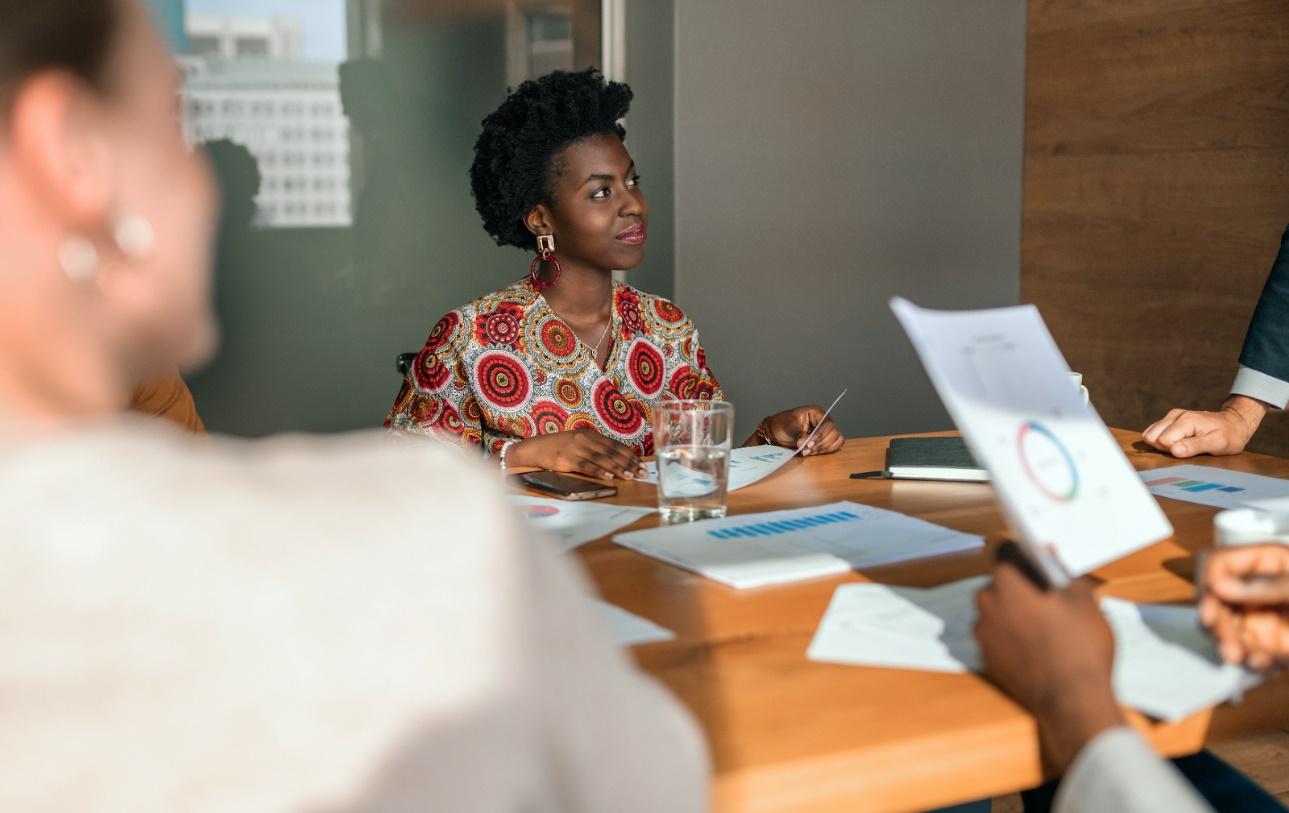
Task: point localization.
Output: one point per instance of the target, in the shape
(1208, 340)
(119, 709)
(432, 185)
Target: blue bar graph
(783, 526)
(1205, 487)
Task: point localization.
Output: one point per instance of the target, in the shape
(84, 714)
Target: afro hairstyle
(515, 158)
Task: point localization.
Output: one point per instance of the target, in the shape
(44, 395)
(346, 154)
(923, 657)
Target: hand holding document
(1071, 497)
(748, 465)
(802, 448)
(1165, 665)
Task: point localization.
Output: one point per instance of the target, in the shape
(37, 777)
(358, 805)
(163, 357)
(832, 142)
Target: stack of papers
(572, 523)
(1208, 485)
(629, 629)
(754, 550)
(1165, 664)
(748, 465)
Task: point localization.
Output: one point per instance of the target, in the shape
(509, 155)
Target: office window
(265, 75)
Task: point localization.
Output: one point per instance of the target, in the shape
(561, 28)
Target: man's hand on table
(1053, 652)
(1186, 433)
(1245, 604)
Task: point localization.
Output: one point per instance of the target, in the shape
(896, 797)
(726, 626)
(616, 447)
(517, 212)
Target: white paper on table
(748, 465)
(570, 523)
(1253, 488)
(901, 628)
(754, 550)
(1062, 480)
(1165, 665)
(629, 629)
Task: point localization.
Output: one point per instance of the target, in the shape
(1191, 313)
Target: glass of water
(692, 445)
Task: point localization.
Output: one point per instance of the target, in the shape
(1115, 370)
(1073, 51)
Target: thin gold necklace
(595, 350)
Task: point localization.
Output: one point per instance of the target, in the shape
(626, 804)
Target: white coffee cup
(1077, 380)
(1249, 526)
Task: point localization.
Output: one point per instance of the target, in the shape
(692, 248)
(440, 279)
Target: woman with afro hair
(560, 370)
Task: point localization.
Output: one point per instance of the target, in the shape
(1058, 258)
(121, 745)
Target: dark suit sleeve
(1266, 346)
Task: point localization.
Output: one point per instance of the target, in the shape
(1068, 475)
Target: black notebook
(932, 459)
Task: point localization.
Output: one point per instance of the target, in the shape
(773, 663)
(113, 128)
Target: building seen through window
(264, 74)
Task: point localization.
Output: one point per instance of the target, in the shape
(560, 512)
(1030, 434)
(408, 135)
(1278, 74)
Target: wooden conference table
(789, 734)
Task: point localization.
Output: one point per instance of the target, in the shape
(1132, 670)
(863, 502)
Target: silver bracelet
(505, 447)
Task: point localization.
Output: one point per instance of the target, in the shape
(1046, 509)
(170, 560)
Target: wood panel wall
(1156, 190)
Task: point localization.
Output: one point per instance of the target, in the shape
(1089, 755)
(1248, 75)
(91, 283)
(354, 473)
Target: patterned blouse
(505, 367)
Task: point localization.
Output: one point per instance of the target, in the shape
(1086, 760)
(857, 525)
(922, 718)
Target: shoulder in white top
(305, 624)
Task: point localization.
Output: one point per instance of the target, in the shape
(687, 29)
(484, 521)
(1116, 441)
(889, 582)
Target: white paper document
(901, 627)
(754, 550)
(1219, 488)
(1065, 486)
(570, 523)
(629, 629)
(748, 465)
(1165, 665)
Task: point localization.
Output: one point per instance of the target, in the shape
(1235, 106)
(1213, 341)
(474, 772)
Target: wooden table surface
(787, 733)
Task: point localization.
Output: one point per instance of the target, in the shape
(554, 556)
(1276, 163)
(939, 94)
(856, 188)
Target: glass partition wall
(342, 132)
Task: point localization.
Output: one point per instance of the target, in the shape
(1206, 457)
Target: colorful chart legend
(1194, 486)
(1212, 486)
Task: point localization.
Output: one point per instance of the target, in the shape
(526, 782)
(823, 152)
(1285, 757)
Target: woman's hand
(582, 451)
(791, 428)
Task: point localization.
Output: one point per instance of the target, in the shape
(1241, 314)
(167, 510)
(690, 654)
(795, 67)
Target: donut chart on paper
(1047, 463)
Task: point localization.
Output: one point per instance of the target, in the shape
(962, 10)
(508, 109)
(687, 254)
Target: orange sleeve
(167, 397)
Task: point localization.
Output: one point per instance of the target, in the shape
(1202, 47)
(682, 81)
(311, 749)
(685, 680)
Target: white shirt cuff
(1118, 772)
(1260, 386)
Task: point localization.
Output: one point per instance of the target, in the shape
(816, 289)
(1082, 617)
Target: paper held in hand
(1071, 497)
(748, 464)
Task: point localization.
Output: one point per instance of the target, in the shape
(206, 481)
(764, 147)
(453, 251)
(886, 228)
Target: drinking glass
(692, 442)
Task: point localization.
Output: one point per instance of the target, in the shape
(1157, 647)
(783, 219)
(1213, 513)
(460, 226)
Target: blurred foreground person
(248, 627)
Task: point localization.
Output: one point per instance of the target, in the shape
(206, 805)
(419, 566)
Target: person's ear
(539, 220)
(57, 143)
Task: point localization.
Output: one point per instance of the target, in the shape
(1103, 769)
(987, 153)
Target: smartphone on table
(565, 486)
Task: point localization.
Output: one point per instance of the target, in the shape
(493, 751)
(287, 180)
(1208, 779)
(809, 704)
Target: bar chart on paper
(778, 547)
(1218, 488)
(783, 526)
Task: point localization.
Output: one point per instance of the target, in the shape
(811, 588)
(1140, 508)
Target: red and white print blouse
(506, 367)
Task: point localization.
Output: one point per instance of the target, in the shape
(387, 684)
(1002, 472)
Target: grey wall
(829, 155)
(651, 55)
